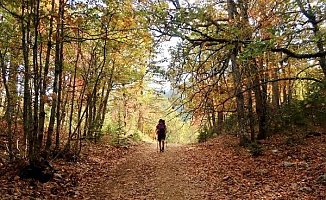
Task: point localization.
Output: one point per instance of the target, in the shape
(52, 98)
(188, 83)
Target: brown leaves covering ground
(218, 169)
(230, 172)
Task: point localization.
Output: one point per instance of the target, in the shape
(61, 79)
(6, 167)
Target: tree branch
(297, 55)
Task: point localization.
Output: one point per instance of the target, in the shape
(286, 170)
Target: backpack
(161, 128)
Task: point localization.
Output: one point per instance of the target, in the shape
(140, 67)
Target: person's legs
(163, 141)
(159, 138)
(163, 145)
(159, 145)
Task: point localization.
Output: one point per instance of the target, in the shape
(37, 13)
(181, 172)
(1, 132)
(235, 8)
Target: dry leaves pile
(218, 169)
(282, 172)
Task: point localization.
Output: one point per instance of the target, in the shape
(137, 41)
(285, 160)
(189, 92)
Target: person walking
(161, 133)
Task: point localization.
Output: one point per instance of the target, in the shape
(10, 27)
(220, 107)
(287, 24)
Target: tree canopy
(75, 70)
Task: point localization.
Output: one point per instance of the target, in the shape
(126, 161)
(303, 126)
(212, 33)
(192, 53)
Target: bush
(292, 140)
(231, 124)
(302, 116)
(291, 118)
(205, 134)
(136, 136)
(255, 149)
(314, 104)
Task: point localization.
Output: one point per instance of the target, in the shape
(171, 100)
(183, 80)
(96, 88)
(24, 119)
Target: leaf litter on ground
(216, 169)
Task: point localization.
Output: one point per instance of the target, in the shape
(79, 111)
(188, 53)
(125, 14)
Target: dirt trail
(215, 170)
(148, 174)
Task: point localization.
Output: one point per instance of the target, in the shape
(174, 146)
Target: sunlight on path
(148, 174)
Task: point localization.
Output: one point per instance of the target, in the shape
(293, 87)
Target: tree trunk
(260, 106)
(220, 121)
(107, 94)
(9, 107)
(44, 84)
(72, 103)
(284, 88)
(212, 114)
(27, 109)
(238, 82)
(60, 68)
(37, 135)
(251, 116)
(275, 90)
(105, 104)
(57, 63)
(240, 99)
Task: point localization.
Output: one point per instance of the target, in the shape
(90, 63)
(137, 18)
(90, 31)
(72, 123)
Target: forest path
(145, 173)
(218, 169)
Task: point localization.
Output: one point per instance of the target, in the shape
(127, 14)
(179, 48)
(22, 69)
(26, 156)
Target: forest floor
(218, 169)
